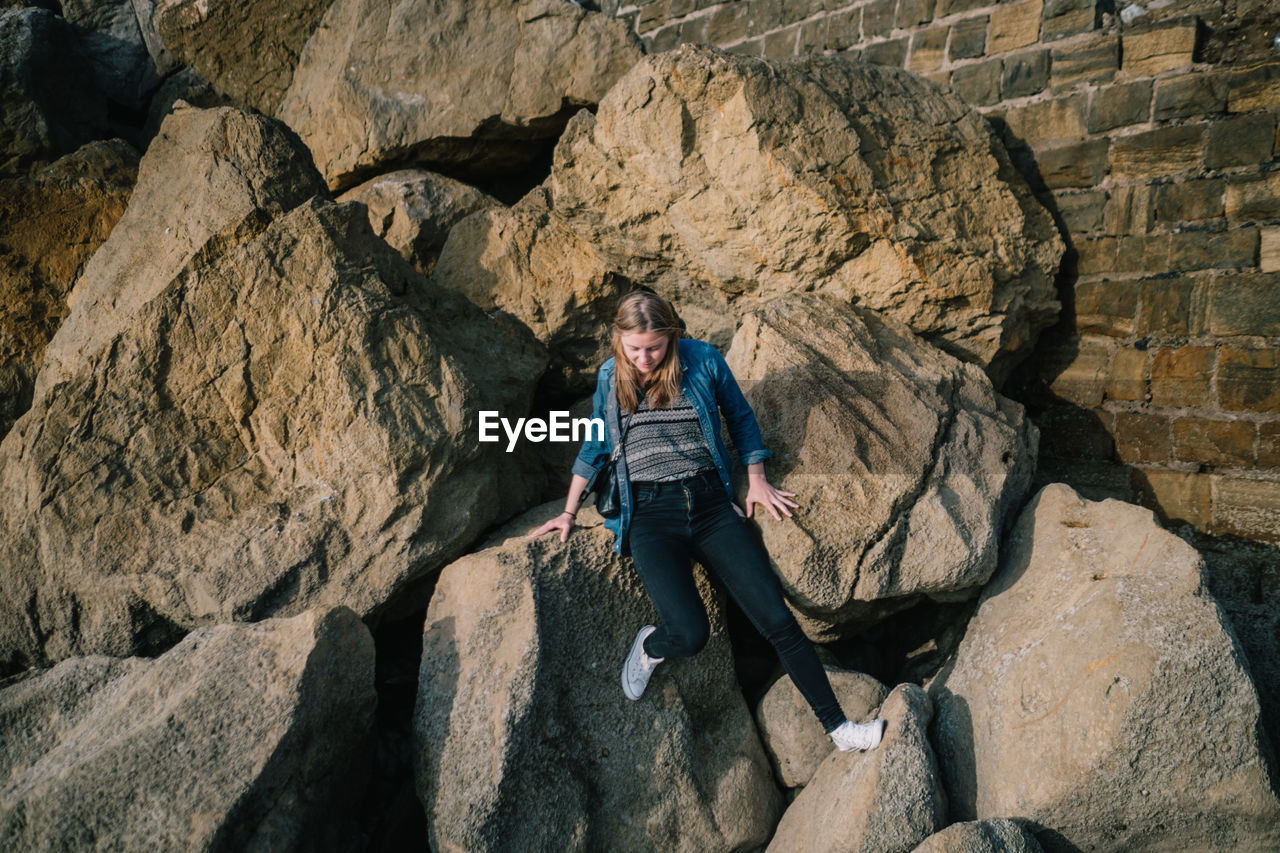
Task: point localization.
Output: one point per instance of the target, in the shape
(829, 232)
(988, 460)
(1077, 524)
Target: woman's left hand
(761, 491)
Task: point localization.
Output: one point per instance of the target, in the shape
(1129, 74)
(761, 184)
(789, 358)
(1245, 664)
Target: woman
(668, 393)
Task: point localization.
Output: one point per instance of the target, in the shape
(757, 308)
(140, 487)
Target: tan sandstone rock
(794, 738)
(525, 736)
(413, 210)
(247, 50)
(705, 172)
(289, 422)
(886, 800)
(1098, 694)
(905, 461)
(465, 83)
(54, 221)
(981, 836)
(241, 737)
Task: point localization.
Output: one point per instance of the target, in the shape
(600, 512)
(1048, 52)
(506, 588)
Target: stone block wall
(1152, 136)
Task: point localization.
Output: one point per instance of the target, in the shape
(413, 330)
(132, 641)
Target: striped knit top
(666, 444)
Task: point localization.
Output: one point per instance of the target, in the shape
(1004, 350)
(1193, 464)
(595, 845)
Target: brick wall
(1153, 139)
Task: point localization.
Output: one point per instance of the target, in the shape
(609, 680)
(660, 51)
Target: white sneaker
(860, 736)
(638, 666)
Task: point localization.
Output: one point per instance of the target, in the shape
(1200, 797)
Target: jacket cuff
(582, 469)
(756, 456)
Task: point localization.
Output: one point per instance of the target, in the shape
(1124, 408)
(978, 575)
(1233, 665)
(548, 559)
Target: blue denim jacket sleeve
(737, 413)
(594, 453)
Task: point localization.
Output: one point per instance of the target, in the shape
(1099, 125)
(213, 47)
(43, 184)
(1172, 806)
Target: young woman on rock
(668, 392)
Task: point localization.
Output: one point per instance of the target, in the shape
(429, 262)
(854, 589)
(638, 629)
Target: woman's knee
(687, 640)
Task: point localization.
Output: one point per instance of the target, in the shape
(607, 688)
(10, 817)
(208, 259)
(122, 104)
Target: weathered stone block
(1157, 50)
(1177, 496)
(1254, 198)
(1269, 444)
(764, 16)
(1095, 256)
(651, 17)
(877, 18)
(781, 44)
(1127, 378)
(1129, 209)
(1075, 433)
(728, 24)
(1254, 88)
(669, 37)
(1171, 307)
(968, 38)
(1166, 151)
(1024, 74)
(1094, 61)
(1269, 250)
(1082, 212)
(1079, 373)
(927, 49)
(1120, 105)
(1241, 141)
(1059, 120)
(1143, 253)
(1080, 165)
(1247, 379)
(1205, 250)
(913, 13)
(1248, 508)
(978, 84)
(952, 7)
(1245, 305)
(1106, 307)
(1181, 377)
(893, 53)
(813, 37)
(1142, 437)
(1190, 201)
(844, 29)
(1214, 442)
(1064, 18)
(1190, 95)
(1015, 26)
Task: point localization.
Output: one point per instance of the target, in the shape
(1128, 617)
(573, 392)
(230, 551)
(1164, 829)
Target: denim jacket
(711, 388)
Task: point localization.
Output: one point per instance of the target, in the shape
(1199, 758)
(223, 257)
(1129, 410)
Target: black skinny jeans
(693, 518)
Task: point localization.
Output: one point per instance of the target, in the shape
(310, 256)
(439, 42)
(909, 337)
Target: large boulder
(708, 175)
(905, 461)
(54, 221)
(290, 422)
(981, 836)
(1098, 695)
(462, 84)
(49, 102)
(110, 38)
(413, 210)
(523, 731)
(241, 737)
(249, 170)
(886, 800)
(794, 738)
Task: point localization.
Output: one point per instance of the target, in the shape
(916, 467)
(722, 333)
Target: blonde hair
(645, 311)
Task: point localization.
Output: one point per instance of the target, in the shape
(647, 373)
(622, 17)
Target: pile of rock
(245, 431)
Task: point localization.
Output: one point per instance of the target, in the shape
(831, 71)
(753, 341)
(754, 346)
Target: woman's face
(645, 350)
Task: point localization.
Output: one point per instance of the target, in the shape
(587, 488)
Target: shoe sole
(635, 647)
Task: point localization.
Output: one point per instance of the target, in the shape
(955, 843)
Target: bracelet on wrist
(570, 514)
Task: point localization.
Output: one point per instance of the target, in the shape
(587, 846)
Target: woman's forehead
(643, 340)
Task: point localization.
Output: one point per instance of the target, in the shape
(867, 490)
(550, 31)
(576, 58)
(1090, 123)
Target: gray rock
(981, 836)
(464, 83)
(240, 737)
(905, 461)
(414, 210)
(110, 38)
(1098, 694)
(49, 102)
(525, 736)
(792, 736)
(715, 178)
(289, 422)
(886, 800)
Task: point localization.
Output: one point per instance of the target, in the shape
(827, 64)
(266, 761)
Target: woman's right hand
(562, 522)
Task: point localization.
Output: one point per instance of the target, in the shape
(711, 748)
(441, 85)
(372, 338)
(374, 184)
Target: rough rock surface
(793, 737)
(164, 61)
(414, 209)
(525, 262)
(250, 168)
(886, 800)
(981, 836)
(49, 103)
(290, 423)
(181, 90)
(54, 221)
(110, 38)
(523, 728)
(1097, 693)
(821, 174)
(448, 84)
(905, 461)
(232, 740)
(247, 50)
